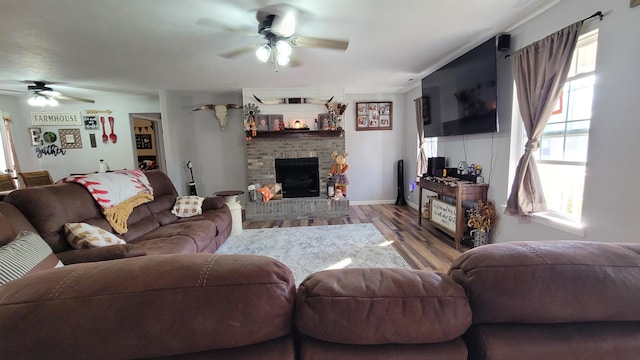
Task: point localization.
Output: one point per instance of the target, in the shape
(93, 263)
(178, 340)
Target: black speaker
(504, 42)
(400, 200)
(433, 164)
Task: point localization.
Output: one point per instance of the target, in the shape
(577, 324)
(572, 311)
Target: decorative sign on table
(56, 119)
(443, 214)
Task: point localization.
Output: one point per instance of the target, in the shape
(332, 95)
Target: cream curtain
(540, 71)
(14, 166)
(421, 166)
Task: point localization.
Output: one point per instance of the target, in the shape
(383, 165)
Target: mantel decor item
(374, 115)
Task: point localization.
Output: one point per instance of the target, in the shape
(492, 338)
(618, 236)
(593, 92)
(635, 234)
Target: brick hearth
(261, 155)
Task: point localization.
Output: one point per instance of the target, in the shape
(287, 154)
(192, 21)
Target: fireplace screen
(299, 177)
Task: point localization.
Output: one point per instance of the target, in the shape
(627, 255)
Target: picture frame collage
(373, 115)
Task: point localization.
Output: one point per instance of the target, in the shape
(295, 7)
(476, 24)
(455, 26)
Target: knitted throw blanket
(118, 193)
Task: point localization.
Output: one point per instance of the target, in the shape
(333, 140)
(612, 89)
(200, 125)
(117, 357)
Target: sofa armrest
(101, 253)
(211, 203)
(146, 307)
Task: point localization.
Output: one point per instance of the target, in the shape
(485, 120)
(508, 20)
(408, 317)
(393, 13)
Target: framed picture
(262, 122)
(90, 122)
(276, 123)
(70, 138)
(323, 121)
(36, 136)
(143, 141)
(374, 115)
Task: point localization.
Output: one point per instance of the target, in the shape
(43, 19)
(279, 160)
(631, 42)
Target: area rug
(308, 249)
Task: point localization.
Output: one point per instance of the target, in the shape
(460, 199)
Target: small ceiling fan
(277, 25)
(40, 94)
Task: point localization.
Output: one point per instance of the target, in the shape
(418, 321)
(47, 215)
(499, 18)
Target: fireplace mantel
(297, 134)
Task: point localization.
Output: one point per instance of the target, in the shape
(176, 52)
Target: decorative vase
(480, 237)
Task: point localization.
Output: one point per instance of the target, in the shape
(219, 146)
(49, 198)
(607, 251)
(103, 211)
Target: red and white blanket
(117, 193)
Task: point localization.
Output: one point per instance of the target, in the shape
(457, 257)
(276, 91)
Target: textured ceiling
(144, 46)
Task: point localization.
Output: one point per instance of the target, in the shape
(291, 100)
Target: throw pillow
(85, 236)
(28, 253)
(187, 206)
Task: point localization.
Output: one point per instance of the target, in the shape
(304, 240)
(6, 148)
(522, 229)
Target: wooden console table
(462, 191)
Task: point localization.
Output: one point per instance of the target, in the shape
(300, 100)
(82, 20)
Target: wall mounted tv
(460, 98)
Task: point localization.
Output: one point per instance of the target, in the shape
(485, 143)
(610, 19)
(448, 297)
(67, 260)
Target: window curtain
(421, 166)
(13, 165)
(540, 71)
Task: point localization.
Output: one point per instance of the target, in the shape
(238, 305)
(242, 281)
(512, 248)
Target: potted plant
(482, 216)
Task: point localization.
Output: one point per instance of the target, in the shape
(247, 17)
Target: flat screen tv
(461, 97)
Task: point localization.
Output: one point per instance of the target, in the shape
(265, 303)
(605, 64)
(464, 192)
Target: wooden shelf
(297, 134)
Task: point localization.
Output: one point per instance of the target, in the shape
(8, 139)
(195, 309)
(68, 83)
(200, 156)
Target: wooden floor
(422, 246)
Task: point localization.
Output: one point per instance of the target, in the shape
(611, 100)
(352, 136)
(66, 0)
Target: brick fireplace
(261, 158)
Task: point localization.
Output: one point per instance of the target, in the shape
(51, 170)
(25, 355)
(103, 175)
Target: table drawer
(439, 188)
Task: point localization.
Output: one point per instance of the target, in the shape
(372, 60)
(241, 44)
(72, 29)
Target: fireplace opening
(299, 177)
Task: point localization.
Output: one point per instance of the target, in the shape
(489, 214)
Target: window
(562, 156)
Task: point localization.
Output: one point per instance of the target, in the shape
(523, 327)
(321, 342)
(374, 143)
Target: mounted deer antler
(220, 112)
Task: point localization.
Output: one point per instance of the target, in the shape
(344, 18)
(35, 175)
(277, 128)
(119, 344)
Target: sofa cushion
(85, 236)
(48, 208)
(381, 306)
(177, 244)
(112, 252)
(551, 281)
(200, 231)
(28, 253)
(188, 206)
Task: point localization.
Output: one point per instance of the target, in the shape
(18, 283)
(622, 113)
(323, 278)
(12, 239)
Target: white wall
(218, 157)
(120, 155)
(611, 200)
(373, 155)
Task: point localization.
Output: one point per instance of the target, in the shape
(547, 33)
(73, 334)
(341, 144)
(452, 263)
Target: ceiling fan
(40, 94)
(277, 25)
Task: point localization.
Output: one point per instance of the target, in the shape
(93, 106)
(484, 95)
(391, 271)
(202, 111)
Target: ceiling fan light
(283, 48)
(283, 60)
(33, 100)
(52, 102)
(263, 53)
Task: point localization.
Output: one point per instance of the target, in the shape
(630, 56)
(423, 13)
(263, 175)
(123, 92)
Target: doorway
(147, 142)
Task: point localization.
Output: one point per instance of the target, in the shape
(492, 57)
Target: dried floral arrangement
(336, 109)
(482, 216)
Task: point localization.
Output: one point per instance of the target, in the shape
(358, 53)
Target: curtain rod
(598, 14)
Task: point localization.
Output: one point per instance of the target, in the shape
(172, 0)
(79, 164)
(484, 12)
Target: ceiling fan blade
(13, 91)
(237, 52)
(304, 41)
(284, 24)
(214, 24)
(73, 98)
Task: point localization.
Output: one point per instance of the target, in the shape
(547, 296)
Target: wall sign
(56, 119)
(443, 214)
(143, 141)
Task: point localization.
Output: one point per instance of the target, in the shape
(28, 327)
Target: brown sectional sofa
(152, 228)
(522, 300)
